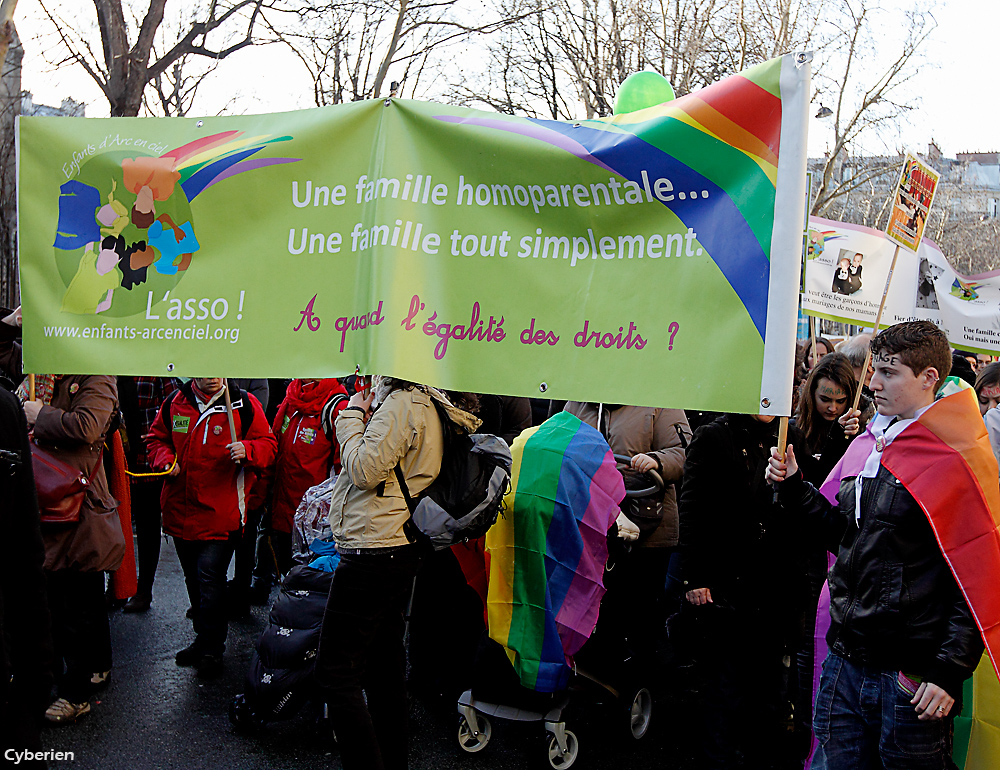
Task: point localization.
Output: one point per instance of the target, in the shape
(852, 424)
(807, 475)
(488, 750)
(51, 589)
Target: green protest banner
(650, 258)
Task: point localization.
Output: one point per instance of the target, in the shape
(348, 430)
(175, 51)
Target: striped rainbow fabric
(977, 728)
(945, 461)
(548, 550)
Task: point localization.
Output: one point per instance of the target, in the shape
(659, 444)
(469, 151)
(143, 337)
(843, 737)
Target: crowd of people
(727, 575)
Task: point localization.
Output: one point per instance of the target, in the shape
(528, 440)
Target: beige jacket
(367, 509)
(632, 430)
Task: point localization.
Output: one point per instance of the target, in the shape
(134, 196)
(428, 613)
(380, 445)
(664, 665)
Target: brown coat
(72, 429)
(632, 430)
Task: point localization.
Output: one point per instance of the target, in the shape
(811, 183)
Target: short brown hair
(918, 344)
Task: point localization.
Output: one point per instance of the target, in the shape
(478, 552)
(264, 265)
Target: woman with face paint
(988, 387)
(988, 393)
(824, 417)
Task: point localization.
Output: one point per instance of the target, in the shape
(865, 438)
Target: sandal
(64, 712)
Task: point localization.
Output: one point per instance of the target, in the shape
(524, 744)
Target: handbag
(59, 487)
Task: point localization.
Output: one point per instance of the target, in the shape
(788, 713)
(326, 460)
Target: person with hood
(203, 497)
(361, 667)
(307, 452)
(654, 439)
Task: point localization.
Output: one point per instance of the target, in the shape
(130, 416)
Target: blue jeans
(205, 564)
(864, 721)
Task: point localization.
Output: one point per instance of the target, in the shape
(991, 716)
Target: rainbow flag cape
(945, 461)
(548, 550)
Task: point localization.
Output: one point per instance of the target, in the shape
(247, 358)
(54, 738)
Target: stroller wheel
(470, 740)
(640, 712)
(563, 759)
(242, 716)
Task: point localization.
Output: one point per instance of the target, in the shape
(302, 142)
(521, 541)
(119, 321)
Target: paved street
(156, 715)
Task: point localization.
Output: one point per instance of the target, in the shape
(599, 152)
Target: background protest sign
(601, 260)
(845, 270)
(911, 203)
(924, 286)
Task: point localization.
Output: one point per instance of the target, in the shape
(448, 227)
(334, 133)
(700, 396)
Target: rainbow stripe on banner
(548, 550)
(721, 143)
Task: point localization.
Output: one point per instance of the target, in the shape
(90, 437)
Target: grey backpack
(465, 499)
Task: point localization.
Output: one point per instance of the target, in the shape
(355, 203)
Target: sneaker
(189, 656)
(210, 667)
(138, 603)
(100, 679)
(63, 712)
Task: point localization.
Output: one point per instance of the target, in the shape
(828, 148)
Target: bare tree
(352, 49)
(568, 57)
(869, 95)
(125, 63)
(10, 98)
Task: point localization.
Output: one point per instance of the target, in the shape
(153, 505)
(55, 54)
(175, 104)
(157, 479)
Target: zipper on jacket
(851, 598)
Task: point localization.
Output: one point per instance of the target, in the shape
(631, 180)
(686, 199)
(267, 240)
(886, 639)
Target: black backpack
(465, 498)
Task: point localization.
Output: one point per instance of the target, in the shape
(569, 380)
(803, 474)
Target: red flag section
(944, 460)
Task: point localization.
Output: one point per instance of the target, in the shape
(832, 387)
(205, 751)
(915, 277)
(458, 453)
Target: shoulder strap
(326, 415)
(246, 414)
(167, 408)
(410, 504)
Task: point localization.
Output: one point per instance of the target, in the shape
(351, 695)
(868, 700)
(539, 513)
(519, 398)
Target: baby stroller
(280, 679)
(546, 609)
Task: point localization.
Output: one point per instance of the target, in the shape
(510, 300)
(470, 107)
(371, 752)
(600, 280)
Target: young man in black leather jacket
(902, 638)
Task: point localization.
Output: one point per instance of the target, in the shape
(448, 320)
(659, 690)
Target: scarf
(45, 385)
(309, 398)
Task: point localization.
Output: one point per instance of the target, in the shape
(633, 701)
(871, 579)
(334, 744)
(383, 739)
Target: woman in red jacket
(307, 451)
(203, 498)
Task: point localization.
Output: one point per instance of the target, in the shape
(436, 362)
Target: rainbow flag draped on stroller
(548, 550)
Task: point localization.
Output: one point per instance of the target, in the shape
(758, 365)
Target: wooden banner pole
(782, 436)
(878, 320)
(812, 342)
(31, 387)
(229, 413)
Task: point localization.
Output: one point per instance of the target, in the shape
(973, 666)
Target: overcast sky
(958, 103)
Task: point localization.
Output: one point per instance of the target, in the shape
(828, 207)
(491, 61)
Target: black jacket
(733, 539)
(894, 602)
(26, 655)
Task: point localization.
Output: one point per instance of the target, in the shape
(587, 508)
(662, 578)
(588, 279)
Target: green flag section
(651, 258)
